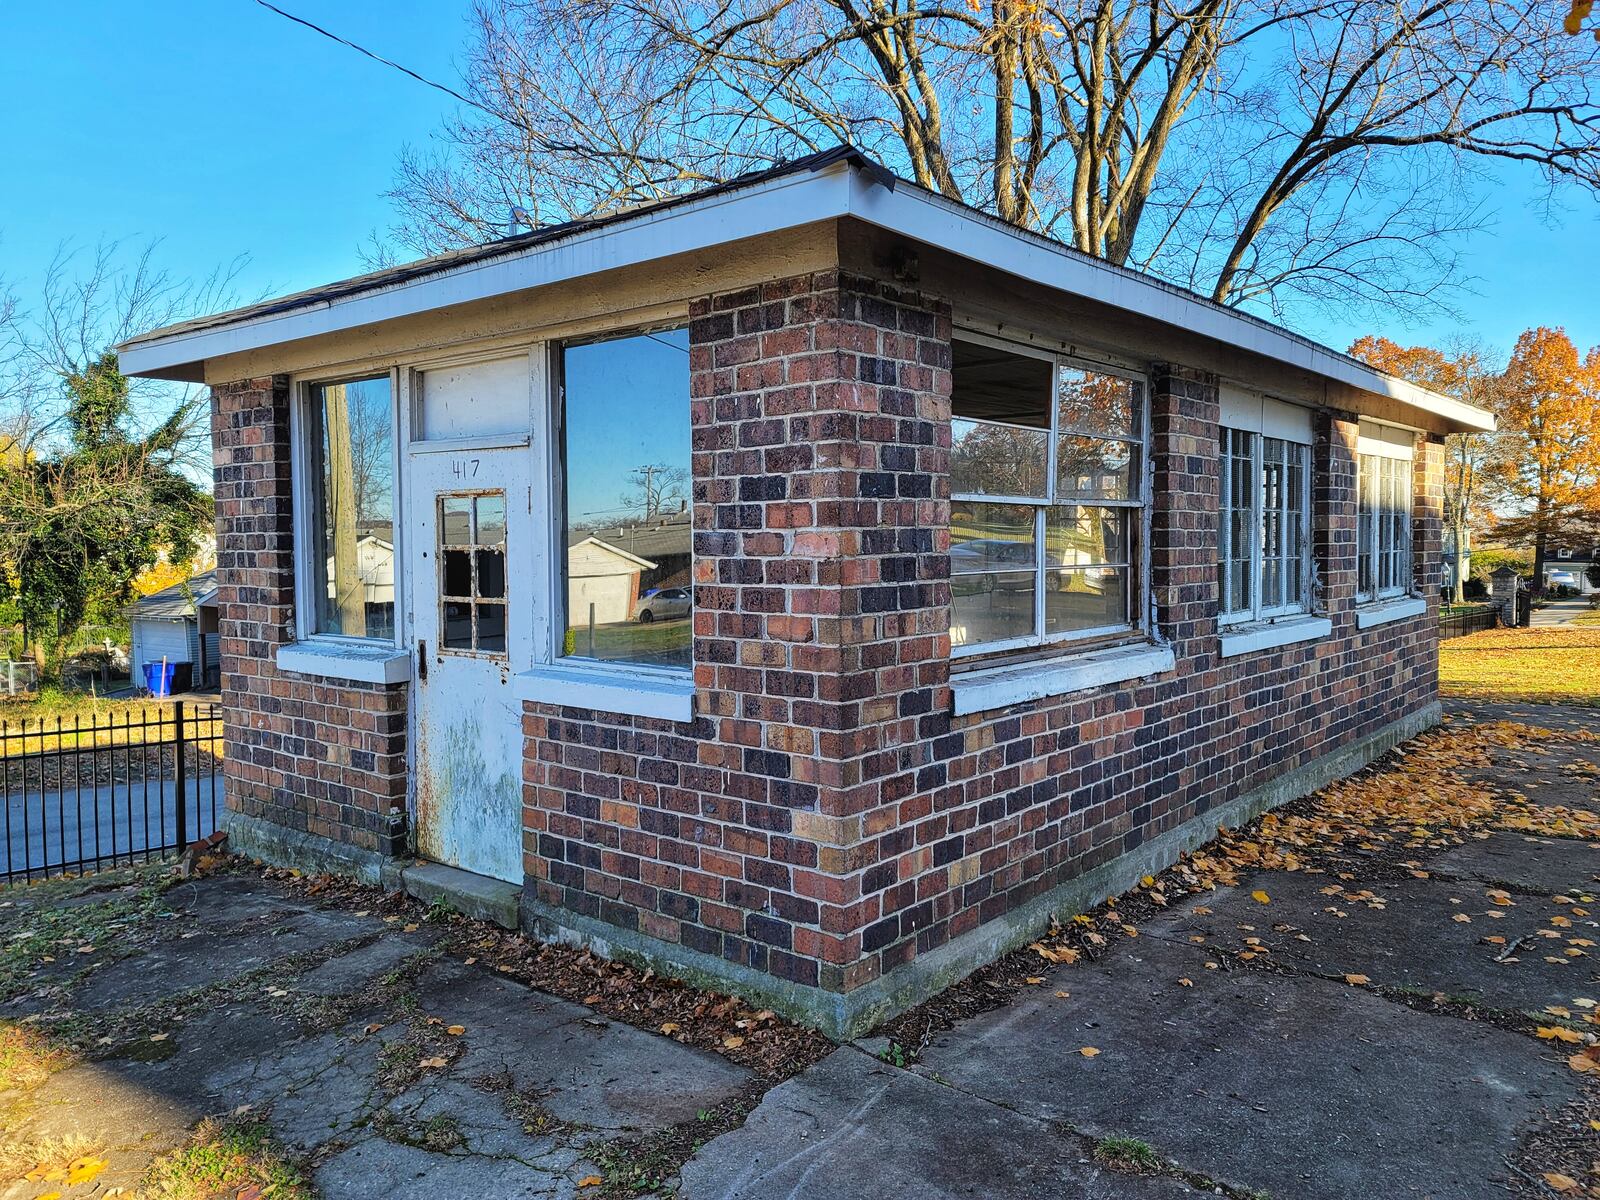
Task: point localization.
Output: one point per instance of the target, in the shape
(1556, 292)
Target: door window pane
(491, 573)
(491, 514)
(350, 442)
(455, 522)
(626, 498)
(491, 628)
(471, 571)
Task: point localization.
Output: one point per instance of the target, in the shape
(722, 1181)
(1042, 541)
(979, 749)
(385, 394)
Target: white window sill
(1269, 635)
(608, 689)
(1381, 612)
(356, 661)
(1017, 683)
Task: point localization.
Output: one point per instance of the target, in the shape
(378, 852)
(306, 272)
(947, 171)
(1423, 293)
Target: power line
(445, 88)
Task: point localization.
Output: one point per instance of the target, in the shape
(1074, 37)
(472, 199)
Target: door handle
(422, 661)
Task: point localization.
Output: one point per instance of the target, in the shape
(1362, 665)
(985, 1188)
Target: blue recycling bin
(158, 677)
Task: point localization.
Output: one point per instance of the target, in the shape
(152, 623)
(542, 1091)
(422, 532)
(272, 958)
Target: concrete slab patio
(1223, 1049)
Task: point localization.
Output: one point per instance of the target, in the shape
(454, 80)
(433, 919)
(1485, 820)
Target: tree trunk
(349, 595)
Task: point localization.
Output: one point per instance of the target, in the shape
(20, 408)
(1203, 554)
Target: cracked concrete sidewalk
(334, 1027)
(1267, 1075)
(1213, 1072)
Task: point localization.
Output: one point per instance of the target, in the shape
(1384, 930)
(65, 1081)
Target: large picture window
(349, 480)
(627, 583)
(1383, 512)
(1264, 562)
(1047, 496)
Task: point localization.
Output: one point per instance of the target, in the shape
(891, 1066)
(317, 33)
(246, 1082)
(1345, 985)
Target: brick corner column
(1335, 484)
(1184, 416)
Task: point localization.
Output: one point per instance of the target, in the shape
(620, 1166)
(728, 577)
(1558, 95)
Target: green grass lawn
(664, 641)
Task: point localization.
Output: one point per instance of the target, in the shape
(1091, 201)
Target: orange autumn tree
(1544, 471)
(1464, 372)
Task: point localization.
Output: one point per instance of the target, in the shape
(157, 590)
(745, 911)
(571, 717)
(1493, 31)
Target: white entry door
(469, 544)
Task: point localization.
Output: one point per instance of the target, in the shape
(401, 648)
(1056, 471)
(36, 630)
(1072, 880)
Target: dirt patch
(1566, 1148)
(646, 1166)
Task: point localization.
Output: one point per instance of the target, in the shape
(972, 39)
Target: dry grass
(54, 1160)
(1551, 666)
(55, 720)
(27, 1057)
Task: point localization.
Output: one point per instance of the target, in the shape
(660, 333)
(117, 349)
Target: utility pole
(649, 474)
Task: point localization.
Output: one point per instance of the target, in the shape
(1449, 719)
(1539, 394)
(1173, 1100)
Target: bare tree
(88, 302)
(1262, 151)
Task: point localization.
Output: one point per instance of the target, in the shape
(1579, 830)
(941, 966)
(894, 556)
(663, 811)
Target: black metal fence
(1461, 621)
(86, 793)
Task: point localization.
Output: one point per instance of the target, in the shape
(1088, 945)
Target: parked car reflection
(659, 604)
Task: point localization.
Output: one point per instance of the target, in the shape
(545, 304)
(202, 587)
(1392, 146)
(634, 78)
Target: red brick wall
(825, 819)
(1023, 800)
(820, 422)
(315, 756)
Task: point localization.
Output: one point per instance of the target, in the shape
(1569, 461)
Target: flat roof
(835, 184)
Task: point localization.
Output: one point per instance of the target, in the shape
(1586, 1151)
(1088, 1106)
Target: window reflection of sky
(627, 403)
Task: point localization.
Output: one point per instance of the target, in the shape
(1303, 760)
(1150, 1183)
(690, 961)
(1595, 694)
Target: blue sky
(225, 130)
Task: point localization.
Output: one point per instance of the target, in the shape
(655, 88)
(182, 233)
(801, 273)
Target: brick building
(1014, 575)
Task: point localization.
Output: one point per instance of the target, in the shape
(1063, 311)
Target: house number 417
(465, 468)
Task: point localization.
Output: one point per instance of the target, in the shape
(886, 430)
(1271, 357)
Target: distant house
(375, 575)
(602, 581)
(1569, 567)
(178, 624)
(611, 568)
(1448, 567)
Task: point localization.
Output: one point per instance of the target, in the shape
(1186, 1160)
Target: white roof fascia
(783, 202)
(924, 217)
(786, 202)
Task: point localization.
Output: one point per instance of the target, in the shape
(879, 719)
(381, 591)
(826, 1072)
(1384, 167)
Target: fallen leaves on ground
(1420, 798)
(1558, 1034)
(760, 1040)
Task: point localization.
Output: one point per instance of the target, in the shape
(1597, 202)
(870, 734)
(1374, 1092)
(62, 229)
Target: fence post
(181, 781)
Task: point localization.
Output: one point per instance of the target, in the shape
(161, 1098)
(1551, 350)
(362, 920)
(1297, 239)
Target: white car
(659, 604)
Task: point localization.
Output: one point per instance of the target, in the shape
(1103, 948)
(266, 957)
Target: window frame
(1138, 565)
(550, 470)
(1256, 611)
(1387, 444)
(305, 460)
